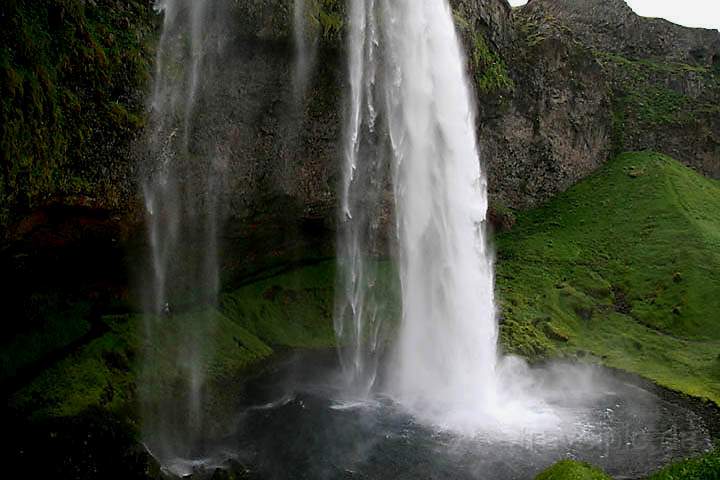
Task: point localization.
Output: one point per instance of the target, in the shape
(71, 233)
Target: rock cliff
(664, 78)
(561, 86)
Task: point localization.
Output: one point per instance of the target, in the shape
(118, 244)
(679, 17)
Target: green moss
(328, 16)
(622, 266)
(293, 309)
(124, 119)
(490, 71)
(59, 327)
(99, 374)
(644, 94)
(657, 105)
(104, 373)
(572, 470)
(69, 76)
(288, 310)
(490, 74)
(705, 467)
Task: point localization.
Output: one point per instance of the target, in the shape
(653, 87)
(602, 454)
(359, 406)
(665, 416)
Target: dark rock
(95, 444)
(664, 77)
(556, 127)
(612, 26)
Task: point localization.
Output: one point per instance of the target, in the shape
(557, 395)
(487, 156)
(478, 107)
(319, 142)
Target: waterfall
(305, 50)
(182, 180)
(363, 309)
(448, 334)
(410, 117)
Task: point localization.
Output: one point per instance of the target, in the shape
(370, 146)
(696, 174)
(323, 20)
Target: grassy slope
(289, 310)
(623, 266)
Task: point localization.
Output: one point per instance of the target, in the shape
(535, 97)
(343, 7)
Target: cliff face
(665, 79)
(73, 82)
(613, 27)
(544, 117)
(561, 85)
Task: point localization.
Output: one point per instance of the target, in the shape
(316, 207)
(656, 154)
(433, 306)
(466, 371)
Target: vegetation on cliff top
(651, 94)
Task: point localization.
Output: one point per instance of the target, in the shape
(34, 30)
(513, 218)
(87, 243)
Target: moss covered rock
(572, 470)
(73, 77)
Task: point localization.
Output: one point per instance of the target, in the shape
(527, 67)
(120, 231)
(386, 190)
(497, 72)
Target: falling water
(181, 184)
(363, 306)
(448, 335)
(305, 49)
(410, 113)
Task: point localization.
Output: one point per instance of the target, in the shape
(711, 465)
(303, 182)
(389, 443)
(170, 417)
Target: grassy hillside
(624, 266)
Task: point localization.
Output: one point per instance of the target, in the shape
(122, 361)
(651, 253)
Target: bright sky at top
(691, 13)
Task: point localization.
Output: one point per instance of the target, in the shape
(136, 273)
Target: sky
(691, 13)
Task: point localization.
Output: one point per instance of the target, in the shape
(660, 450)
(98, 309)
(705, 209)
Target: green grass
(294, 309)
(572, 470)
(61, 326)
(705, 467)
(623, 267)
(702, 467)
(289, 310)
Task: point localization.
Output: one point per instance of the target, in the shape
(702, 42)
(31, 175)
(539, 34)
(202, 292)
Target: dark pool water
(294, 423)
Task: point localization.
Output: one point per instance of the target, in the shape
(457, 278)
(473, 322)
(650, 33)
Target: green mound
(624, 266)
(571, 470)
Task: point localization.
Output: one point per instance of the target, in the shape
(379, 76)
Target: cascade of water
(410, 113)
(447, 340)
(305, 36)
(305, 49)
(363, 303)
(181, 184)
